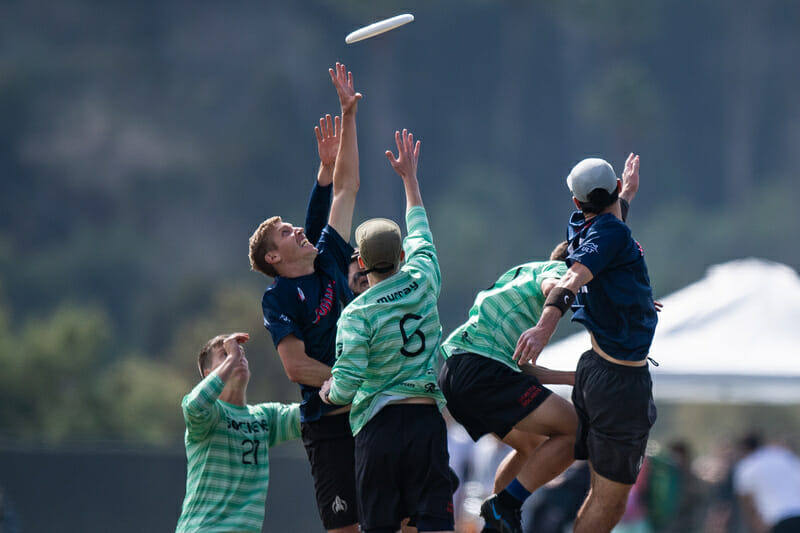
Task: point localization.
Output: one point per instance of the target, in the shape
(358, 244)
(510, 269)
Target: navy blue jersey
(617, 305)
(309, 307)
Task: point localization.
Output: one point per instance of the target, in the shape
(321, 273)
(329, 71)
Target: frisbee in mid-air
(377, 28)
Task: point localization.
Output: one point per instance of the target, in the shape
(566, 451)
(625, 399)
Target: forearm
(299, 367)
(549, 321)
(325, 174)
(547, 376)
(345, 180)
(413, 195)
(343, 389)
(308, 372)
(197, 404)
(575, 278)
(345, 173)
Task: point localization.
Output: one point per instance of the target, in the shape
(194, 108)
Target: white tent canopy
(732, 336)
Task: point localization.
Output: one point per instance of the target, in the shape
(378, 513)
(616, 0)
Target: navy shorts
(330, 448)
(615, 411)
(402, 470)
(485, 396)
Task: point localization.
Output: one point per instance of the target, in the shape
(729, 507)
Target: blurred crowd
(747, 485)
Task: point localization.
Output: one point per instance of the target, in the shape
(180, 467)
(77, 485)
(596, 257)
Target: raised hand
(328, 134)
(233, 344)
(343, 81)
(630, 177)
(405, 164)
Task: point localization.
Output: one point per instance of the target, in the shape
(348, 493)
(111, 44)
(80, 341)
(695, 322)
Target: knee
(525, 447)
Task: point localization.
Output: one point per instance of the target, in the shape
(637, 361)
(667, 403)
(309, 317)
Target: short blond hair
(260, 243)
(205, 352)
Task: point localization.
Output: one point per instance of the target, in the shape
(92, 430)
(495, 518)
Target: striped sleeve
(200, 410)
(284, 422)
(352, 351)
(419, 248)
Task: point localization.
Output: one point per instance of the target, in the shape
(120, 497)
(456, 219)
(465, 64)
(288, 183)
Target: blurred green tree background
(142, 142)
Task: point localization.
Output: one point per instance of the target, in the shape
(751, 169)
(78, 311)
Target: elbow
(294, 375)
(349, 188)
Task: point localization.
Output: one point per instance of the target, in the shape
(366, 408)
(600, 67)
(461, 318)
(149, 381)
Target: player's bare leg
(556, 420)
(512, 463)
(604, 506)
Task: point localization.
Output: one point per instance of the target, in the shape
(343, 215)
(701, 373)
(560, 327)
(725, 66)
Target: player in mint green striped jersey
(227, 442)
(386, 343)
(488, 392)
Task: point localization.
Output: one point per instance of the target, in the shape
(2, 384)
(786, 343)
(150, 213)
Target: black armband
(561, 298)
(624, 207)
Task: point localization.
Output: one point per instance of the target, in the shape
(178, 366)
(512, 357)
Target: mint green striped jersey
(503, 312)
(388, 337)
(227, 459)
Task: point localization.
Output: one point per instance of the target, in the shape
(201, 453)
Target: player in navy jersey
(608, 288)
(301, 308)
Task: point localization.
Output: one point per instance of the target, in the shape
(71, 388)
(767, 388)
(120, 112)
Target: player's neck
(614, 209)
(297, 269)
(234, 395)
(375, 278)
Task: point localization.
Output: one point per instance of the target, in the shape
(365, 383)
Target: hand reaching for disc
(328, 139)
(343, 81)
(405, 164)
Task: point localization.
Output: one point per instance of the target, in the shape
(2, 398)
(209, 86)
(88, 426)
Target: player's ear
(577, 203)
(272, 257)
(619, 185)
(361, 263)
(402, 255)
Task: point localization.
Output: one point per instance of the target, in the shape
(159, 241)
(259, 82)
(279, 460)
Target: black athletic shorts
(615, 411)
(330, 448)
(402, 470)
(485, 396)
(787, 525)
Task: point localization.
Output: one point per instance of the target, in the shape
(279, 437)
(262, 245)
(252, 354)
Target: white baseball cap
(590, 174)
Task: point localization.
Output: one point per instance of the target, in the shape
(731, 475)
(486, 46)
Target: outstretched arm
(319, 203)
(532, 341)
(345, 171)
(630, 178)
(547, 376)
(405, 164)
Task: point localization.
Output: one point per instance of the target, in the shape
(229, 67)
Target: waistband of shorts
(613, 360)
(410, 406)
(330, 420)
(599, 359)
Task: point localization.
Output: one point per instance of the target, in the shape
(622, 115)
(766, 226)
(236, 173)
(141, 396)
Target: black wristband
(560, 298)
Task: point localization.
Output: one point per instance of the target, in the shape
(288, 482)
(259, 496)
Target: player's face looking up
(289, 245)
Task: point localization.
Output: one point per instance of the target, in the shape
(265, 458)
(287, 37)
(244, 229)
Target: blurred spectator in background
(767, 483)
(685, 514)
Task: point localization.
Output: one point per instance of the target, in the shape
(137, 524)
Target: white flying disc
(378, 27)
